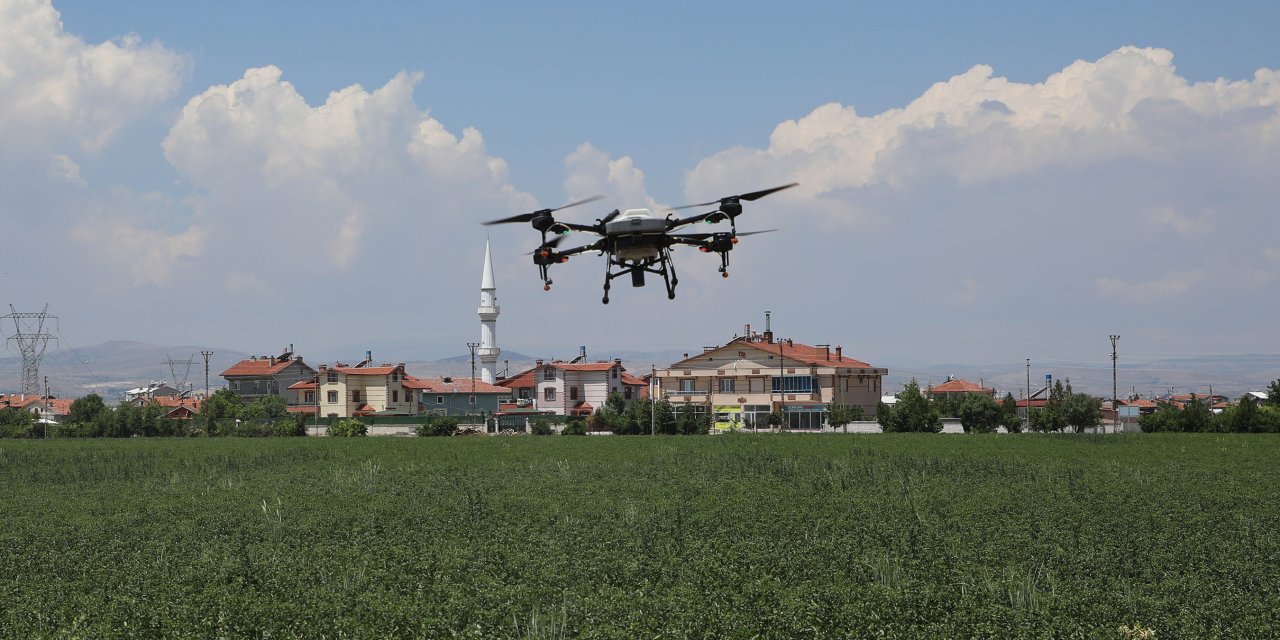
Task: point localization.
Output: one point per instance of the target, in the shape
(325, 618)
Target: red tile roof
(259, 367)
(633, 381)
(520, 380)
(366, 371)
(1143, 404)
(303, 384)
(307, 409)
(819, 356)
(175, 401)
(961, 386)
(457, 385)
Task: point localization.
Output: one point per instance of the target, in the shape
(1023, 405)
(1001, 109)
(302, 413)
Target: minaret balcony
(489, 312)
(488, 352)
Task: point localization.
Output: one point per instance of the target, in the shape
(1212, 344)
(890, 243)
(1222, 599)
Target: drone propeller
(526, 217)
(749, 197)
(704, 236)
(548, 245)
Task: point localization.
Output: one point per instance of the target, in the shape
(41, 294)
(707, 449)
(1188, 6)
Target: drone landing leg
(724, 265)
(607, 277)
(669, 274)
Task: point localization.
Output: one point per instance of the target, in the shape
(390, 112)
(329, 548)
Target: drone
(637, 242)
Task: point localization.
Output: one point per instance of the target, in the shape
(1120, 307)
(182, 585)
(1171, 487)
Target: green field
(629, 537)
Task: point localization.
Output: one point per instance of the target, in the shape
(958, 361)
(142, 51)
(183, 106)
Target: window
(235, 386)
(726, 385)
(408, 395)
(793, 384)
(524, 392)
(686, 385)
(549, 373)
(549, 394)
(626, 392)
(333, 397)
(615, 373)
(309, 397)
(471, 400)
(395, 395)
(439, 399)
(573, 393)
(355, 395)
(332, 376)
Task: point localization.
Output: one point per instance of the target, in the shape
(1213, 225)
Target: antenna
(186, 371)
(32, 338)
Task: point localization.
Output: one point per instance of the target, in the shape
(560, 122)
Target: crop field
(770, 536)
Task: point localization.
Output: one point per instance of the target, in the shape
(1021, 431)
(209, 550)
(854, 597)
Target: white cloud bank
(979, 127)
(58, 87)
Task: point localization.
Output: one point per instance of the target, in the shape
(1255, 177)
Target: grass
(727, 536)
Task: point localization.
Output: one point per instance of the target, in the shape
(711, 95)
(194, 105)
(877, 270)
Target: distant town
(754, 380)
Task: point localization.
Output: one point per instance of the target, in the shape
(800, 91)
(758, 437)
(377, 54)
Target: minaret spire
(488, 312)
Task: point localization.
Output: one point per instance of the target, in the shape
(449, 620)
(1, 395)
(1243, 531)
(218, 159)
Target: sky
(978, 184)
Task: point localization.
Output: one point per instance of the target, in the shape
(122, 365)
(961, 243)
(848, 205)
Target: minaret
(488, 311)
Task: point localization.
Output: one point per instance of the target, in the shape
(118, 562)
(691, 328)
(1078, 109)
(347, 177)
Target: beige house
(365, 390)
(746, 379)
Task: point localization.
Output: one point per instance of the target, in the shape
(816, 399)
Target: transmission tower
(186, 371)
(32, 338)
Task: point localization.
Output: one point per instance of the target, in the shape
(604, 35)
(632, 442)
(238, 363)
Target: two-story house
(745, 380)
(258, 377)
(572, 388)
(364, 390)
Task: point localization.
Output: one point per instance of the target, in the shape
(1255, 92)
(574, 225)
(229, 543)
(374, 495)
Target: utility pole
(1028, 394)
(206, 355)
(46, 406)
(1115, 409)
(653, 375)
(32, 339)
(473, 346)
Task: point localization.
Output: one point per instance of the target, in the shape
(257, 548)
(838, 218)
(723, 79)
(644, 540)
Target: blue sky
(1130, 195)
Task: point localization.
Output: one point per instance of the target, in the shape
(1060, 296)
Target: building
(150, 391)
(742, 382)
(957, 389)
(488, 311)
(263, 376)
(575, 388)
(48, 409)
(364, 390)
(456, 396)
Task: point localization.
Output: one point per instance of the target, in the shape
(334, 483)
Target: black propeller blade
(526, 217)
(550, 244)
(749, 197)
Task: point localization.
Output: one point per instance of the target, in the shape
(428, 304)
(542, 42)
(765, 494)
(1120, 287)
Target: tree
(87, 409)
(348, 428)
(17, 423)
(1273, 394)
(270, 407)
(1196, 416)
(438, 426)
(912, 413)
(689, 421)
(224, 403)
(978, 413)
(574, 427)
(1009, 414)
(1081, 411)
(840, 415)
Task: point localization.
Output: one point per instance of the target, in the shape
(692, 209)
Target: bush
(575, 427)
(439, 426)
(540, 427)
(348, 428)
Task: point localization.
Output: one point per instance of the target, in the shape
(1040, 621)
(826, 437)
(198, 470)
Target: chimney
(746, 331)
(538, 362)
(768, 330)
(789, 343)
(582, 352)
(826, 351)
(838, 349)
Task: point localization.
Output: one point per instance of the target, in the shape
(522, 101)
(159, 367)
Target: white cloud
(1168, 287)
(67, 169)
(978, 127)
(590, 171)
(1183, 225)
(59, 88)
(365, 170)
